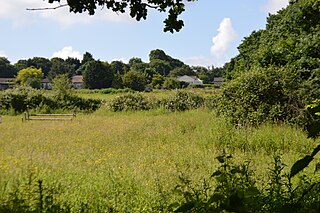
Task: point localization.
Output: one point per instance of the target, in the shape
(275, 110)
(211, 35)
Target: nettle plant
(233, 187)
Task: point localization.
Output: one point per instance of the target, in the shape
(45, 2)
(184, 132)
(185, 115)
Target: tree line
(160, 72)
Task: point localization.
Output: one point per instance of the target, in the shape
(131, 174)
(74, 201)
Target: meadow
(130, 161)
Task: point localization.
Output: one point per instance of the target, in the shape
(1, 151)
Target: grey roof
(77, 79)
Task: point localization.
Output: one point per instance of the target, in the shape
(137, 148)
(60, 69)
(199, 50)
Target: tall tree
(86, 58)
(119, 67)
(74, 63)
(40, 62)
(6, 69)
(138, 9)
(160, 66)
(97, 75)
(137, 64)
(134, 80)
(30, 77)
(184, 70)
(158, 58)
(21, 64)
(59, 66)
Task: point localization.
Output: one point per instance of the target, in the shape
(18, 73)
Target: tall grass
(131, 161)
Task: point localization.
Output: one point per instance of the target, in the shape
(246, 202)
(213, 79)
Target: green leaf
(174, 206)
(315, 151)
(216, 173)
(185, 207)
(317, 168)
(221, 158)
(251, 192)
(300, 165)
(314, 129)
(215, 198)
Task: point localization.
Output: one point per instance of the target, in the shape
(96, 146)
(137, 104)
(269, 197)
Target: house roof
(6, 80)
(45, 80)
(187, 77)
(218, 79)
(77, 79)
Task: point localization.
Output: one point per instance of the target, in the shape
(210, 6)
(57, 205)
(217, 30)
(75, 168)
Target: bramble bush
(180, 101)
(263, 94)
(131, 102)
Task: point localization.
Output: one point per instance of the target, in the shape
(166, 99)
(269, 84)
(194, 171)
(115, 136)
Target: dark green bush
(183, 100)
(264, 94)
(20, 99)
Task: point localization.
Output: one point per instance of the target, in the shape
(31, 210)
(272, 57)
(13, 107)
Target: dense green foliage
(131, 102)
(134, 80)
(62, 85)
(277, 70)
(291, 38)
(183, 100)
(18, 100)
(6, 69)
(30, 77)
(263, 94)
(97, 75)
(179, 101)
(233, 188)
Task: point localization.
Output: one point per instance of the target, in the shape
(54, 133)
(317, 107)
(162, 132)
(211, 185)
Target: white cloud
(221, 42)
(16, 12)
(198, 61)
(273, 6)
(2, 54)
(67, 52)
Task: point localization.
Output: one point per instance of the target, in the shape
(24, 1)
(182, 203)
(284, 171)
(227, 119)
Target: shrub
(183, 100)
(264, 94)
(20, 99)
(131, 102)
(115, 91)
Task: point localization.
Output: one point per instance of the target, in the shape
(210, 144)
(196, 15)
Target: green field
(131, 161)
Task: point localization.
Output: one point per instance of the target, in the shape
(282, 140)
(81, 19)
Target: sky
(213, 30)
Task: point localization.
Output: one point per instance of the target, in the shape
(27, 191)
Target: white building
(190, 79)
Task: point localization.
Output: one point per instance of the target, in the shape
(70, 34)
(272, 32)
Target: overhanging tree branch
(47, 8)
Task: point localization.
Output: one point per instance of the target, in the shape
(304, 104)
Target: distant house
(218, 81)
(5, 83)
(77, 82)
(46, 84)
(189, 79)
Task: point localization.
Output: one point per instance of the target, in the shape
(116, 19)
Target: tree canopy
(30, 77)
(138, 9)
(97, 75)
(291, 38)
(6, 69)
(277, 71)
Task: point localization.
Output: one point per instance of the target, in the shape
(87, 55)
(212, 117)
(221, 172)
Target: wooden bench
(49, 117)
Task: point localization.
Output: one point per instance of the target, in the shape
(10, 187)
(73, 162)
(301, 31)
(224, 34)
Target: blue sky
(213, 30)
